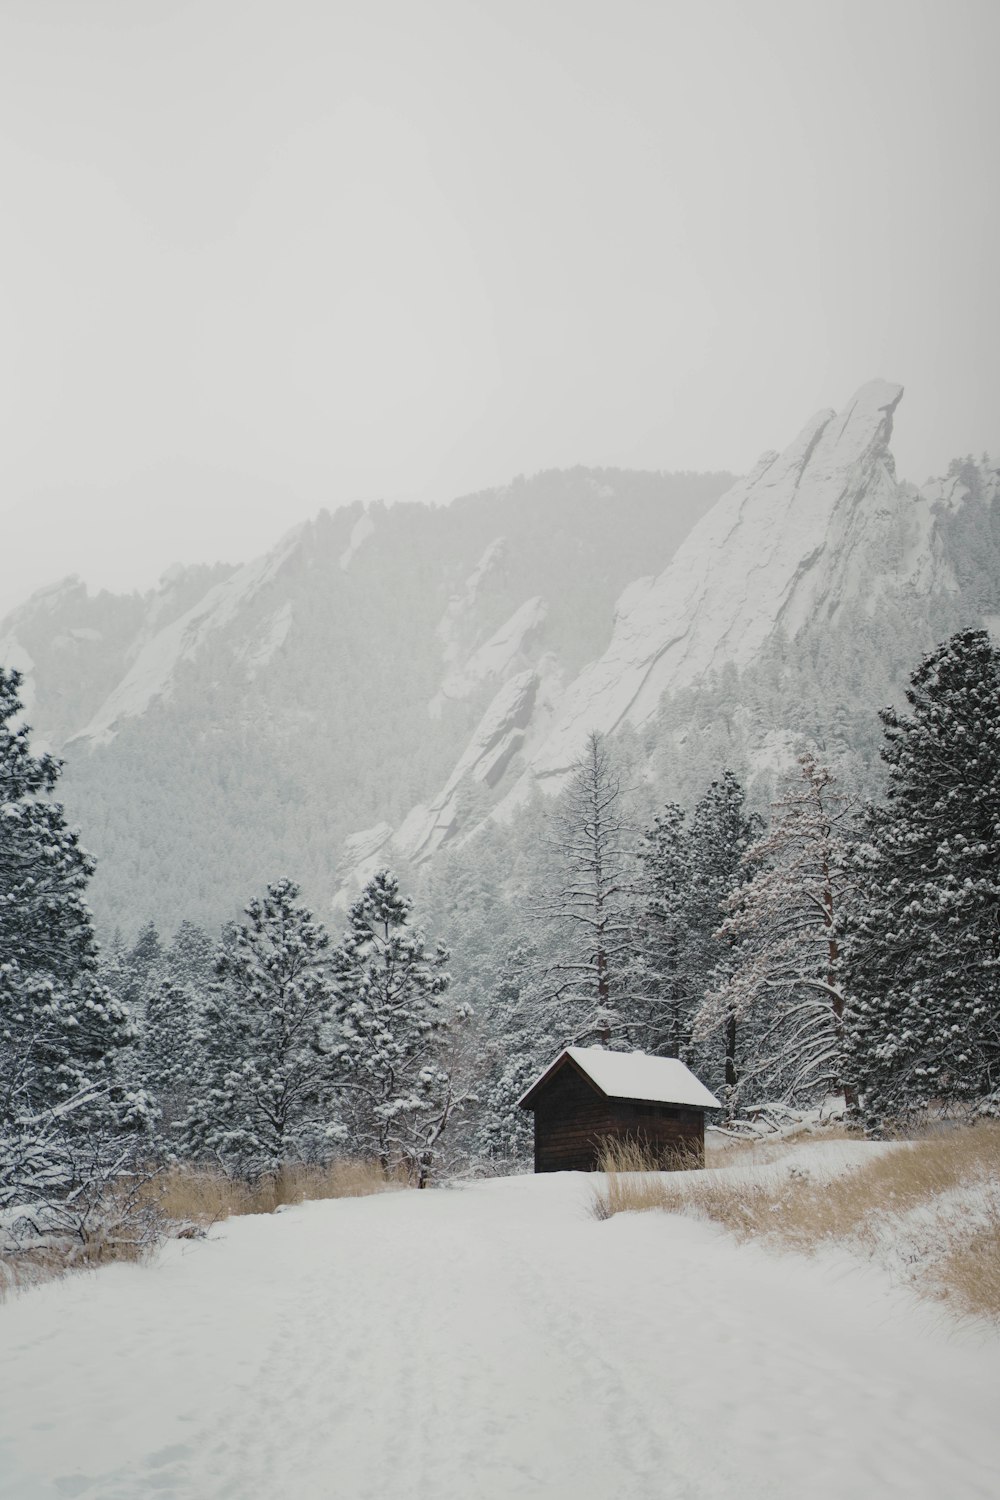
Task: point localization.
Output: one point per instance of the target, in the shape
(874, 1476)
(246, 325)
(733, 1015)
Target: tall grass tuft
(939, 1195)
(196, 1196)
(634, 1172)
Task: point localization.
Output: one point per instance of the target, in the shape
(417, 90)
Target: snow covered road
(488, 1343)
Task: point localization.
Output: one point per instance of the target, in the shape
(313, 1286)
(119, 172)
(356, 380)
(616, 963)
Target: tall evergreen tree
(146, 953)
(60, 1030)
(168, 1042)
(922, 946)
(190, 958)
(519, 1043)
(721, 832)
(662, 994)
(265, 1086)
(394, 1044)
(690, 868)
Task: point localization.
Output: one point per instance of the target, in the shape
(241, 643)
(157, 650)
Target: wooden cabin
(589, 1095)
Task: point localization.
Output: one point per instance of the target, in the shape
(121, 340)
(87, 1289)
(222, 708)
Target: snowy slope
(493, 1342)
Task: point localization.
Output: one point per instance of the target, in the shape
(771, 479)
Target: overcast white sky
(260, 256)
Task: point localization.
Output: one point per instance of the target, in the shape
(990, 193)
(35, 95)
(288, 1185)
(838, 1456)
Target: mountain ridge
(347, 669)
(386, 681)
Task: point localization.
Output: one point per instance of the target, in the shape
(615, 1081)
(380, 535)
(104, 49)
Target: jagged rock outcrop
(497, 738)
(775, 548)
(495, 658)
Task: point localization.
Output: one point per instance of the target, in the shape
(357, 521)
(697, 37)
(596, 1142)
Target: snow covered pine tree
(265, 1087)
(720, 834)
(922, 945)
(394, 1032)
(168, 1037)
(64, 1118)
(661, 994)
(516, 1046)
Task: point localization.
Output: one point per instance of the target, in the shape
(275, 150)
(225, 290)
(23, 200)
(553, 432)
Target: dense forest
(831, 945)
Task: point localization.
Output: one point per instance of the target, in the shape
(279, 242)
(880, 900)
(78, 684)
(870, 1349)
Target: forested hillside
(240, 722)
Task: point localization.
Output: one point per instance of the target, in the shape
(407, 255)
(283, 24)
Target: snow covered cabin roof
(631, 1075)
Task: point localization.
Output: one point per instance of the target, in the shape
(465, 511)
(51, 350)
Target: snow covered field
(486, 1343)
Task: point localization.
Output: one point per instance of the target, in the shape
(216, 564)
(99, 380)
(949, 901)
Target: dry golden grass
(31, 1267)
(858, 1206)
(970, 1274)
(635, 1175)
(626, 1154)
(120, 1222)
(635, 1180)
(198, 1196)
(182, 1202)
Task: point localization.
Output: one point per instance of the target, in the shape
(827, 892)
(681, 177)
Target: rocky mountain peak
(756, 561)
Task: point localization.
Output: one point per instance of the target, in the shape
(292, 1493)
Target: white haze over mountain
(262, 259)
(385, 683)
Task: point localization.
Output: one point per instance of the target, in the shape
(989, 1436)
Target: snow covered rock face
(495, 657)
(776, 548)
(497, 738)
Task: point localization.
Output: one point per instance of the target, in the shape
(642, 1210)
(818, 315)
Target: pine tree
(171, 998)
(60, 1029)
(190, 958)
(922, 947)
(146, 954)
(265, 1085)
(591, 842)
(519, 1044)
(168, 1041)
(721, 832)
(400, 1092)
(659, 979)
(784, 988)
(690, 867)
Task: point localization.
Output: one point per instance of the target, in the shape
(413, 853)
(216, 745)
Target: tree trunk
(731, 1050)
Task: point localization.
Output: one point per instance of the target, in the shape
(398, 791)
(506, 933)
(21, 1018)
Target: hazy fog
(261, 257)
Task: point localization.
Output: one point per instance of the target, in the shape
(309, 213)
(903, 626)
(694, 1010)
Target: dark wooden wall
(572, 1118)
